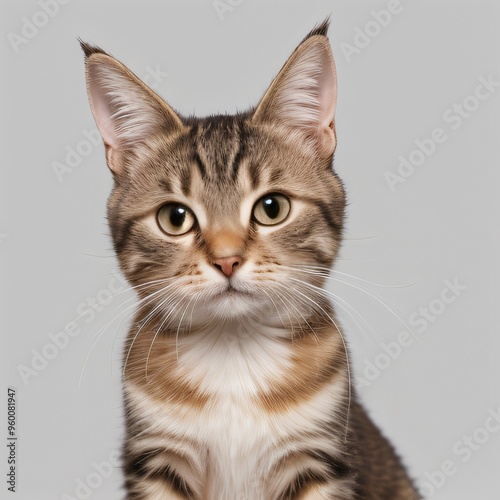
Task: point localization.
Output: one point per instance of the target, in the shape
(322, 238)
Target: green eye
(175, 219)
(271, 209)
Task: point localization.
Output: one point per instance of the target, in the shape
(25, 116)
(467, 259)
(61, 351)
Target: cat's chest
(231, 435)
(233, 447)
(227, 371)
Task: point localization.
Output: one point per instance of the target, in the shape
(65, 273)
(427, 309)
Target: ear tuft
(320, 29)
(88, 49)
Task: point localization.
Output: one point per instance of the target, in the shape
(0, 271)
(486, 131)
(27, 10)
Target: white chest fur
(232, 444)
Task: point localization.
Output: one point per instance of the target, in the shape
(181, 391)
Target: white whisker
(140, 304)
(345, 351)
(146, 320)
(158, 331)
(338, 301)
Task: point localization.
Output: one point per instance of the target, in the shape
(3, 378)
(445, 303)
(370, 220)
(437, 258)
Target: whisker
(408, 285)
(279, 314)
(121, 292)
(338, 301)
(325, 272)
(159, 329)
(346, 356)
(198, 295)
(146, 320)
(368, 292)
(99, 336)
(140, 304)
(98, 256)
(278, 311)
(375, 295)
(372, 237)
(286, 292)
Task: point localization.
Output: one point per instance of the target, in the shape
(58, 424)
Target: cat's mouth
(231, 291)
(232, 301)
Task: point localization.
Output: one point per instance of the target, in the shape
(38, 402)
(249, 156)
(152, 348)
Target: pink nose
(227, 265)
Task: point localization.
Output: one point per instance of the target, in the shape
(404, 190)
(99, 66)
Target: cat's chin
(232, 303)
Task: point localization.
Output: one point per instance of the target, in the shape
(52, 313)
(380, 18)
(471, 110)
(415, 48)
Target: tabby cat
(236, 375)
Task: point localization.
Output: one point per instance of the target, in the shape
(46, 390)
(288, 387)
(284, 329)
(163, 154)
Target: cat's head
(223, 215)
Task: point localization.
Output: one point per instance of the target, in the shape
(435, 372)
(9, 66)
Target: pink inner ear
(327, 86)
(103, 112)
(303, 95)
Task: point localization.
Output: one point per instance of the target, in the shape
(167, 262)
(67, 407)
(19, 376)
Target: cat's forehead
(217, 163)
(218, 146)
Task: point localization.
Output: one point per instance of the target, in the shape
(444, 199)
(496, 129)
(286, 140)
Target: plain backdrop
(421, 258)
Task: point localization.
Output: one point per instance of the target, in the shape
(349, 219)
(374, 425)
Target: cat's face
(224, 216)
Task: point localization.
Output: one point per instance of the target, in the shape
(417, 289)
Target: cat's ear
(125, 109)
(303, 96)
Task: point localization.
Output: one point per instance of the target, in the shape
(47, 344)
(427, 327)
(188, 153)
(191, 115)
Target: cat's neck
(237, 358)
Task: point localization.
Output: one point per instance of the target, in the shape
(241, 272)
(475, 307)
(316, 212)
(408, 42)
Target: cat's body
(236, 376)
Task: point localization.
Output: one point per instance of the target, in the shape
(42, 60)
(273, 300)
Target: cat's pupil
(271, 207)
(178, 216)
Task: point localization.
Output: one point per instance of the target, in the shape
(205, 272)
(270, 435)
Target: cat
(236, 374)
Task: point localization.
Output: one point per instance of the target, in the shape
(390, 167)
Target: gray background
(440, 224)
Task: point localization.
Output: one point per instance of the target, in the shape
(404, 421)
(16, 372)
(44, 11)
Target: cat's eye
(271, 209)
(175, 219)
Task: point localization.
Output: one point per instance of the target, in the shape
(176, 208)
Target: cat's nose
(228, 265)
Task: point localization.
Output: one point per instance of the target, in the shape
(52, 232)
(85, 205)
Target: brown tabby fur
(212, 164)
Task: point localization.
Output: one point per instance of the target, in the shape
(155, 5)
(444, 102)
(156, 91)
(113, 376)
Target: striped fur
(236, 386)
